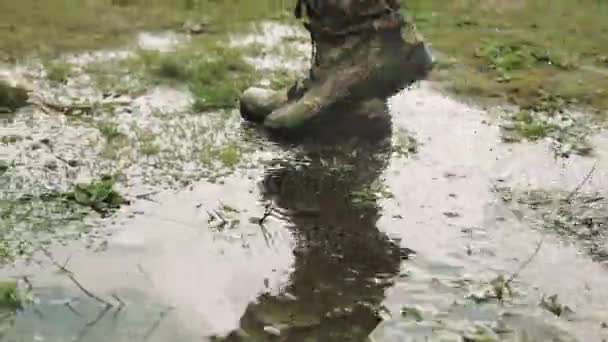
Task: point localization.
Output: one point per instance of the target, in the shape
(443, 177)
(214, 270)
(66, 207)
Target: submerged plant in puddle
(404, 143)
(100, 195)
(581, 217)
(567, 133)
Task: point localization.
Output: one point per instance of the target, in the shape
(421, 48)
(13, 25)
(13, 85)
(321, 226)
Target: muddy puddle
(233, 235)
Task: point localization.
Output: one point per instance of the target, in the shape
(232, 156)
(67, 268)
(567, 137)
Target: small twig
(595, 199)
(581, 184)
(92, 323)
(157, 323)
(140, 268)
(526, 262)
(65, 161)
(28, 283)
(267, 212)
(120, 302)
(72, 309)
(65, 263)
(211, 216)
(220, 216)
(146, 196)
(223, 222)
(71, 276)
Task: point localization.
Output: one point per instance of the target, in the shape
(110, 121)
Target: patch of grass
(404, 144)
(58, 71)
(219, 82)
(215, 74)
(110, 131)
(150, 149)
(506, 50)
(10, 139)
(9, 294)
(11, 98)
(282, 78)
(114, 138)
(228, 155)
(569, 134)
(57, 26)
(4, 166)
(100, 195)
(411, 313)
(529, 125)
(147, 142)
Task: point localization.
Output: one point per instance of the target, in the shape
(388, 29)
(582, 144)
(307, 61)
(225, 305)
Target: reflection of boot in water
(343, 263)
(363, 49)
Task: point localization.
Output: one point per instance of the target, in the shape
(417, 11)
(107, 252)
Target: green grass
(215, 74)
(9, 294)
(56, 26)
(501, 50)
(115, 140)
(228, 155)
(518, 50)
(10, 139)
(568, 133)
(58, 71)
(110, 131)
(100, 195)
(150, 149)
(146, 140)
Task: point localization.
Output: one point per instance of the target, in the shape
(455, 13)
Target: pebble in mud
(451, 214)
(272, 330)
(50, 164)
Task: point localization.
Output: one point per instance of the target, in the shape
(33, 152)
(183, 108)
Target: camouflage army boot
(363, 49)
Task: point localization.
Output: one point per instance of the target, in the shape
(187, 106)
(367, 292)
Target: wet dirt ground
(189, 260)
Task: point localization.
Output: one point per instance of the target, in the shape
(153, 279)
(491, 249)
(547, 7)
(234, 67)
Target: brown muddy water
(363, 241)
